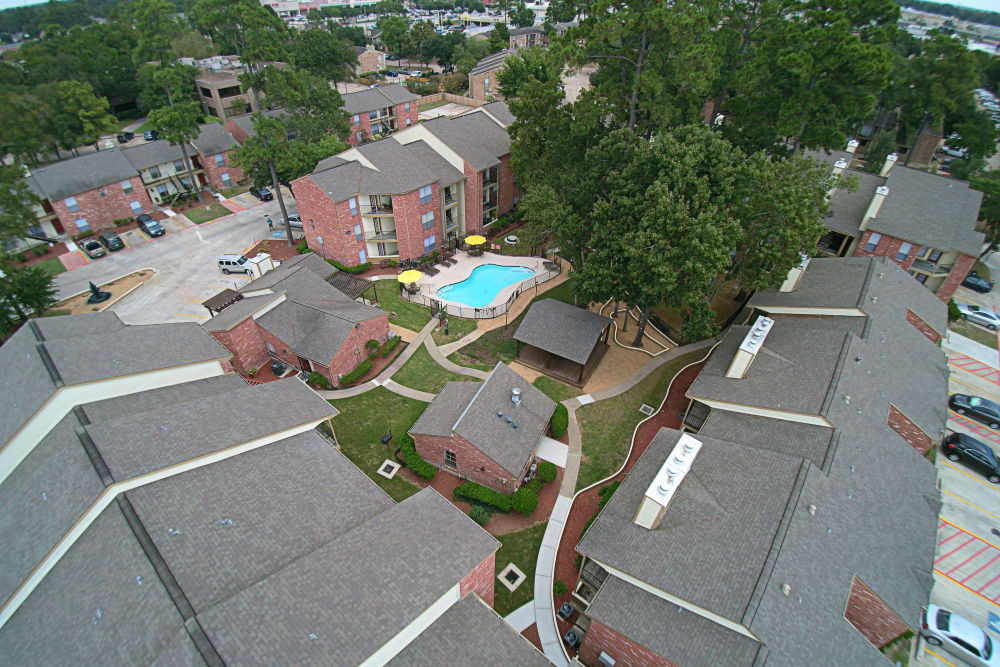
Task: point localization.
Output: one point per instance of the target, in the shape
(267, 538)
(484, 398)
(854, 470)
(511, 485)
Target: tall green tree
(527, 64)
(319, 52)
(989, 212)
(522, 16)
(156, 27)
(76, 115)
(499, 38)
(16, 204)
(180, 124)
(394, 30)
(24, 291)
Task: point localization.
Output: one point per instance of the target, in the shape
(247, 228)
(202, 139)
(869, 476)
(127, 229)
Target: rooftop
(61, 179)
(372, 99)
(213, 139)
(491, 62)
(153, 153)
(562, 329)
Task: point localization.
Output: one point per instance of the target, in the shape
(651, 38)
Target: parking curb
(70, 296)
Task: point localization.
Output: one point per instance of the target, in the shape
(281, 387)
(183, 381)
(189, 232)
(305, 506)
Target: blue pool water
(483, 284)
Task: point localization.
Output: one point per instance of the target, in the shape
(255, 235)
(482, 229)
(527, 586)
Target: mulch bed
(278, 249)
(585, 505)
(531, 634)
(379, 364)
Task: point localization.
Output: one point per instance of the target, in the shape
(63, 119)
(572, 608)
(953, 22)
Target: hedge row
(413, 461)
(360, 268)
(484, 495)
(372, 346)
(560, 421)
(389, 345)
(355, 375)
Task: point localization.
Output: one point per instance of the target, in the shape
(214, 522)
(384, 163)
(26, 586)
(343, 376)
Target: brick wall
(477, 85)
(238, 134)
(353, 351)
(408, 212)
(879, 250)
(371, 61)
(333, 221)
(246, 343)
(626, 652)
(473, 200)
(872, 617)
(363, 125)
(468, 461)
(402, 114)
(507, 190)
(480, 580)
(922, 326)
(908, 431)
(102, 211)
(958, 273)
(214, 173)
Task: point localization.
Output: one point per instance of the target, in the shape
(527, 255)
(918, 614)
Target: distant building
(219, 88)
(377, 112)
(524, 37)
(370, 59)
(483, 83)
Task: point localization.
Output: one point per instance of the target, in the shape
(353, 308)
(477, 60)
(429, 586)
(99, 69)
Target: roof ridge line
(475, 396)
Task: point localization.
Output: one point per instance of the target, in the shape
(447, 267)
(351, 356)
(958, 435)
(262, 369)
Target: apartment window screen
(430, 243)
(220, 160)
(353, 203)
(449, 459)
(126, 186)
(357, 233)
(873, 241)
(425, 194)
(428, 219)
(904, 250)
(71, 203)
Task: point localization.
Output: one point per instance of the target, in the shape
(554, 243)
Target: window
(873, 241)
(179, 166)
(126, 186)
(82, 224)
(904, 250)
(357, 233)
(372, 115)
(205, 92)
(362, 256)
(515, 179)
(359, 138)
(220, 159)
(407, 122)
(430, 243)
(353, 203)
(226, 180)
(71, 203)
(154, 172)
(428, 219)
(487, 83)
(406, 107)
(516, 197)
(136, 206)
(161, 189)
(425, 194)
(357, 119)
(449, 459)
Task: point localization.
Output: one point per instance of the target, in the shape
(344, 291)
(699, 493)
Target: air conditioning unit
(605, 660)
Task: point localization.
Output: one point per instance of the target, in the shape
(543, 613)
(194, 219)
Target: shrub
(83, 235)
(560, 421)
(953, 312)
(606, 492)
(40, 250)
(535, 484)
(547, 471)
(303, 247)
(355, 375)
(319, 380)
(525, 500)
(251, 371)
(372, 346)
(578, 561)
(122, 221)
(413, 460)
(354, 270)
(21, 257)
(480, 514)
(485, 495)
(559, 588)
(389, 345)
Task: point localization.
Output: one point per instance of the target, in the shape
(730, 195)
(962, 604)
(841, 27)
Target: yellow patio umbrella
(475, 240)
(410, 276)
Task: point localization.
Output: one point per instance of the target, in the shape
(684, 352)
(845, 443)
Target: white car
(940, 627)
(981, 316)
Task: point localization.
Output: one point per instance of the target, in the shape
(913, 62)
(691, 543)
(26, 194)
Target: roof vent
(881, 192)
(515, 396)
(665, 484)
(500, 414)
(852, 145)
(750, 347)
(795, 274)
(514, 425)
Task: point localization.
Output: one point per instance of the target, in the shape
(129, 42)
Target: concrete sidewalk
(545, 619)
(970, 348)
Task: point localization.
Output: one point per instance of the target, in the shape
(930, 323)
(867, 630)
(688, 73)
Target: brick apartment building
(377, 112)
(90, 192)
(403, 196)
(219, 88)
(293, 314)
(531, 36)
(483, 77)
(924, 222)
(127, 484)
(488, 431)
(370, 59)
(791, 521)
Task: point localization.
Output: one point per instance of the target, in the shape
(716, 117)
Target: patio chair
(430, 270)
(551, 266)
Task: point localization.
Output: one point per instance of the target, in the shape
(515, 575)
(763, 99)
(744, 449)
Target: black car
(125, 137)
(262, 193)
(976, 282)
(150, 226)
(110, 240)
(150, 135)
(393, 56)
(971, 452)
(978, 408)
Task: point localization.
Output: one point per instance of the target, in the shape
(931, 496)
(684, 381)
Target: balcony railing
(450, 222)
(489, 180)
(371, 235)
(380, 209)
(932, 268)
(448, 199)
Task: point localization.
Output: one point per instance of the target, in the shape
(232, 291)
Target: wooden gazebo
(562, 341)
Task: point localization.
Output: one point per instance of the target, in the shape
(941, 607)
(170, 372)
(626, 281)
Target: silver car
(295, 221)
(940, 627)
(981, 316)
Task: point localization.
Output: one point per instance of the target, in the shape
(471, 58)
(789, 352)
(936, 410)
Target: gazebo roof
(562, 329)
(226, 297)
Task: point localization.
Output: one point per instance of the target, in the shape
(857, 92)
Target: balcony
(489, 179)
(450, 222)
(380, 208)
(383, 235)
(931, 268)
(449, 199)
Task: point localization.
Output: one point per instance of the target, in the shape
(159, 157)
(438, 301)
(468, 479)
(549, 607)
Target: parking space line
(959, 583)
(981, 568)
(978, 429)
(968, 300)
(950, 537)
(139, 232)
(939, 657)
(967, 532)
(962, 546)
(987, 584)
(970, 504)
(186, 315)
(966, 384)
(966, 561)
(972, 477)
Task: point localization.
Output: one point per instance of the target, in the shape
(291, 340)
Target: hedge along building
(487, 432)
(295, 315)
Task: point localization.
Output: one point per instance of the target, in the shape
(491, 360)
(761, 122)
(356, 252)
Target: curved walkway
(438, 356)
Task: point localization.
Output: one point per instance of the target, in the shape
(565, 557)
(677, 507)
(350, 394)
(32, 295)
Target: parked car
(392, 56)
(93, 248)
(940, 627)
(981, 316)
(262, 193)
(976, 282)
(233, 264)
(295, 221)
(973, 453)
(110, 240)
(392, 73)
(375, 85)
(150, 226)
(125, 137)
(150, 135)
(980, 409)
(954, 152)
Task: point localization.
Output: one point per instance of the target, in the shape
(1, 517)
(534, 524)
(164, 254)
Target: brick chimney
(794, 274)
(890, 160)
(749, 348)
(881, 193)
(663, 486)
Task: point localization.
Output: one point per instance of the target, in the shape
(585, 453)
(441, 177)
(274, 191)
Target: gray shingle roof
(310, 261)
(80, 174)
(527, 31)
(508, 446)
(440, 415)
(718, 528)
(149, 401)
(274, 522)
(412, 553)
(816, 444)
(439, 168)
(238, 312)
(316, 329)
(469, 148)
(491, 62)
(372, 99)
(847, 208)
(827, 282)
(930, 210)
(469, 633)
(562, 329)
(213, 138)
(153, 153)
(473, 134)
(500, 111)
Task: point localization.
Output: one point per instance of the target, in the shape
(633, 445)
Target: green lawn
(520, 548)
(554, 389)
(233, 191)
(607, 426)
(362, 422)
(432, 105)
(423, 373)
(498, 344)
(200, 214)
(458, 327)
(52, 265)
(975, 332)
(402, 312)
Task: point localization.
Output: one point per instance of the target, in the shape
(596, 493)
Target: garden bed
(119, 288)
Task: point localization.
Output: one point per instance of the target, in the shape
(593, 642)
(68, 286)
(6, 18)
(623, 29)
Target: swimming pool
(483, 284)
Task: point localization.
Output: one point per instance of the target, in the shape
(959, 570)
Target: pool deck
(429, 285)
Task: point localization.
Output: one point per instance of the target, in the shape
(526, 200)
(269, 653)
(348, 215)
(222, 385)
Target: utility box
(260, 264)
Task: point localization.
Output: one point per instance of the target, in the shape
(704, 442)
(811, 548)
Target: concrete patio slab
(552, 451)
